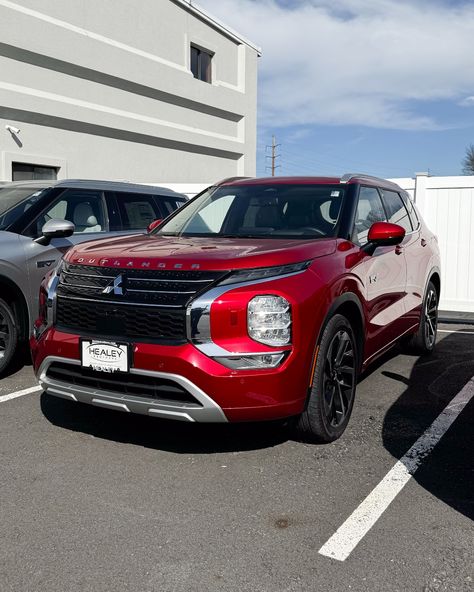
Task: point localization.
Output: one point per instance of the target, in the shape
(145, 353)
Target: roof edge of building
(215, 22)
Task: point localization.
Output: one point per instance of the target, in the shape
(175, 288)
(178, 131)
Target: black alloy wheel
(431, 316)
(424, 340)
(332, 391)
(339, 378)
(8, 335)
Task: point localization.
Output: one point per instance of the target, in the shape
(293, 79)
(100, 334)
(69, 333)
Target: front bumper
(204, 410)
(218, 394)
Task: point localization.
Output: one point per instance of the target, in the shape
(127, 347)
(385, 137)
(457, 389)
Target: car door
(382, 274)
(417, 258)
(85, 208)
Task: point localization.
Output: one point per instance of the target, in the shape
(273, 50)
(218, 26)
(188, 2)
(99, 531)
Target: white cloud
(363, 62)
(467, 102)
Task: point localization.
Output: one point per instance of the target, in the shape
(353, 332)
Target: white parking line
(347, 537)
(28, 391)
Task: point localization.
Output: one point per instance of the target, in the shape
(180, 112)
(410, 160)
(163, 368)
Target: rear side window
(168, 204)
(137, 210)
(369, 210)
(396, 210)
(411, 210)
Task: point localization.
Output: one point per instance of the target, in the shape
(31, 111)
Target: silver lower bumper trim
(205, 410)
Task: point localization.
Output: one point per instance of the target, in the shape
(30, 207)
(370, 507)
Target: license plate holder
(105, 356)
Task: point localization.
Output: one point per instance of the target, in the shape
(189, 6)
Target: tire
(8, 335)
(332, 392)
(424, 340)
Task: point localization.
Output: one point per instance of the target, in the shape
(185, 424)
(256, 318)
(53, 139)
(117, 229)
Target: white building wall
(447, 205)
(104, 89)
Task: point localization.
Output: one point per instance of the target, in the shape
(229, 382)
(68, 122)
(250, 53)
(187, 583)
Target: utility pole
(273, 156)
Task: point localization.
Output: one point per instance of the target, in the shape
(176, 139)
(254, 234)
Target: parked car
(259, 299)
(40, 220)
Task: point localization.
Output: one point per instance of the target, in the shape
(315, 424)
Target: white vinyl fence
(447, 205)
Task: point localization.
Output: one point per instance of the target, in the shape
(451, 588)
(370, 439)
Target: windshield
(260, 211)
(15, 201)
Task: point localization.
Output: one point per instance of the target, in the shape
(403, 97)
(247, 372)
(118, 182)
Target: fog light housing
(252, 361)
(269, 320)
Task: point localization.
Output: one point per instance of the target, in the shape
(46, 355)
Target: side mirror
(384, 234)
(55, 229)
(153, 225)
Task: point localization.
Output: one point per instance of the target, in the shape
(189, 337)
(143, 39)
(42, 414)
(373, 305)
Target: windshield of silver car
(14, 202)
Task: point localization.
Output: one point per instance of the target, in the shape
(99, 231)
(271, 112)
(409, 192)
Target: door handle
(424, 242)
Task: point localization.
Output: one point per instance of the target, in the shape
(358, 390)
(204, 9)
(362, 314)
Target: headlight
(269, 320)
(261, 273)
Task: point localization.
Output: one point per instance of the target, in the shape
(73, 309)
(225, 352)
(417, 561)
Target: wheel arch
(12, 294)
(435, 277)
(349, 305)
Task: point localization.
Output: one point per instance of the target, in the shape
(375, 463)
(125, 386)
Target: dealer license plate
(105, 356)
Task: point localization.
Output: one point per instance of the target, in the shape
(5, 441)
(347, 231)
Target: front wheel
(8, 335)
(334, 382)
(424, 340)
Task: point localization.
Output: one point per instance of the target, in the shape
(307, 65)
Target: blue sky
(378, 86)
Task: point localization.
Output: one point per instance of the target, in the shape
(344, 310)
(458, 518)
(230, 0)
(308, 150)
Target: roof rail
(362, 176)
(229, 180)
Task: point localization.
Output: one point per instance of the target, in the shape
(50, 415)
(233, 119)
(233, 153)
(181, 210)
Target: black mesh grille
(150, 387)
(120, 320)
(128, 303)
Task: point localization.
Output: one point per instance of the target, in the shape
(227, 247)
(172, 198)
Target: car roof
(100, 185)
(347, 179)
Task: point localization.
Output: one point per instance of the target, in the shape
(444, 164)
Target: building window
(201, 64)
(32, 172)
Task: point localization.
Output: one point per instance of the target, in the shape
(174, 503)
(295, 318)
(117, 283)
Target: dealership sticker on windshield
(105, 356)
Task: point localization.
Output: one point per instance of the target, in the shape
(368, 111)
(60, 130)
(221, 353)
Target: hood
(153, 251)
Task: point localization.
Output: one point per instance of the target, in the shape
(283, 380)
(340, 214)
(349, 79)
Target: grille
(122, 320)
(159, 389)
(135, 304)
(141, 286)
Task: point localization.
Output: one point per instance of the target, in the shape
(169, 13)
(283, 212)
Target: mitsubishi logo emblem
(115, 287)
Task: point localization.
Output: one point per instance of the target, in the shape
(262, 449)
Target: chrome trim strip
(158, 291)
(63, 284)
(389, 345)
(209, 412)
(198, 325)
(134, 279)
(110, 405)
(171, 415)
(90, 275)
(101, 288)
(51, 301)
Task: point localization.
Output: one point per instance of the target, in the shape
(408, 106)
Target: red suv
(259, 299)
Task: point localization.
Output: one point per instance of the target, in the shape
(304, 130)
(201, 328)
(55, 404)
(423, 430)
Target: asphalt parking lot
(92, 499)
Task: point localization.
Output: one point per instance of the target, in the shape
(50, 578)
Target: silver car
(40, 220)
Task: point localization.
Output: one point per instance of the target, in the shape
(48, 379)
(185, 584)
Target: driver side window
(369, 210)
(84, 208)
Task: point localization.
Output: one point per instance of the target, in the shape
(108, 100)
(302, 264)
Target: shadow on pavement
(173, 436)
(448, 472)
